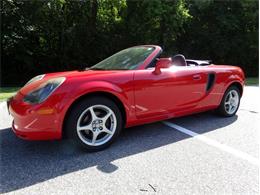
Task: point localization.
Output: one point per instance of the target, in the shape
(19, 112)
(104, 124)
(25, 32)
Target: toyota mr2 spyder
(132, 87)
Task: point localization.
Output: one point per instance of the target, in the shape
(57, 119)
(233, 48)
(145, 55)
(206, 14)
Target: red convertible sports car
(132, 87)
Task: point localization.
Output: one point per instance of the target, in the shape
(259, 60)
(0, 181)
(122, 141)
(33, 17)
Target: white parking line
(214, 143)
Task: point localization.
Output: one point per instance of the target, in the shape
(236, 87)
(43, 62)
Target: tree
(223, 31)
(57, 35)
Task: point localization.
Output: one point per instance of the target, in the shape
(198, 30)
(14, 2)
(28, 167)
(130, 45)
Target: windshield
(127, 59)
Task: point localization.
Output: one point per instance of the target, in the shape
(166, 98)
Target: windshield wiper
(82, 67)
(121, 69)
(94, 68)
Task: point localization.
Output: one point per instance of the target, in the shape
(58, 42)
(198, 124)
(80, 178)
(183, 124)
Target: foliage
(58, 35)
(7, 92)
(252, 81)
(224, 31)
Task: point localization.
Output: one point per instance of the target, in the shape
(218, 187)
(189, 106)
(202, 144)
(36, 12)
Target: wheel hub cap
(97, 125)
(232, 101)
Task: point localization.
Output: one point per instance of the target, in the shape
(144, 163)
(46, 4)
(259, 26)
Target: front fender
(100, 86)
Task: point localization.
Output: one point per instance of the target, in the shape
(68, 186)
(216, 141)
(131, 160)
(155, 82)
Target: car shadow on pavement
(204, 122)
(25, 163)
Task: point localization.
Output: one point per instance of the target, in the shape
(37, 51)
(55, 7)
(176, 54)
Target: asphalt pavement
(198, 154)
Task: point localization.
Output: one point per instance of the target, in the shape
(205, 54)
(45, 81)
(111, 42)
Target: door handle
(196, 77)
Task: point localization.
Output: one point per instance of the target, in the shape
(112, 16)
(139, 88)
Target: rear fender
(234, 78)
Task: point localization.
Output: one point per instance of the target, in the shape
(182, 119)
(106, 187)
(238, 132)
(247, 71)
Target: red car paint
(147, 94)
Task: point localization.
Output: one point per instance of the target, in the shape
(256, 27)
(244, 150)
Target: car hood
(86, 73)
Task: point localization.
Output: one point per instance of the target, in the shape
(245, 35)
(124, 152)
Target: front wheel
(94, 123)
(230, 102)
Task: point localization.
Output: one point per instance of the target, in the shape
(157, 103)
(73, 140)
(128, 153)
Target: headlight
(44, 91)
(37, 78)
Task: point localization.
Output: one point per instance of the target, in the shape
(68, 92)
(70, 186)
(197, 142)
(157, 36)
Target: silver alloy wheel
(231, 102)
(99, 125)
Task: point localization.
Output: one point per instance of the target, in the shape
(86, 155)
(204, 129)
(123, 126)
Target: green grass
(6, 92)
(252, 81)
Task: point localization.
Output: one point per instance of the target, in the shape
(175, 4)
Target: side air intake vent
(211, 81)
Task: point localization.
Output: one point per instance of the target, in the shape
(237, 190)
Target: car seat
(179, 60)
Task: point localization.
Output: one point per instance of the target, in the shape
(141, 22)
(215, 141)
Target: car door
(175, 89)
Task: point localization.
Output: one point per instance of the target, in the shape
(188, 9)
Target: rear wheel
(94, 123)
(230, 102)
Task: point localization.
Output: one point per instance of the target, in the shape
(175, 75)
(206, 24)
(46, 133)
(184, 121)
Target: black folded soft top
(191, 62)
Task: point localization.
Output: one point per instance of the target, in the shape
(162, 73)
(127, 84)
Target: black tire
(221, 110)
(77, 111)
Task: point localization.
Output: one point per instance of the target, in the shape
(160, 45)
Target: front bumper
(34, 135)
(34, 122)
